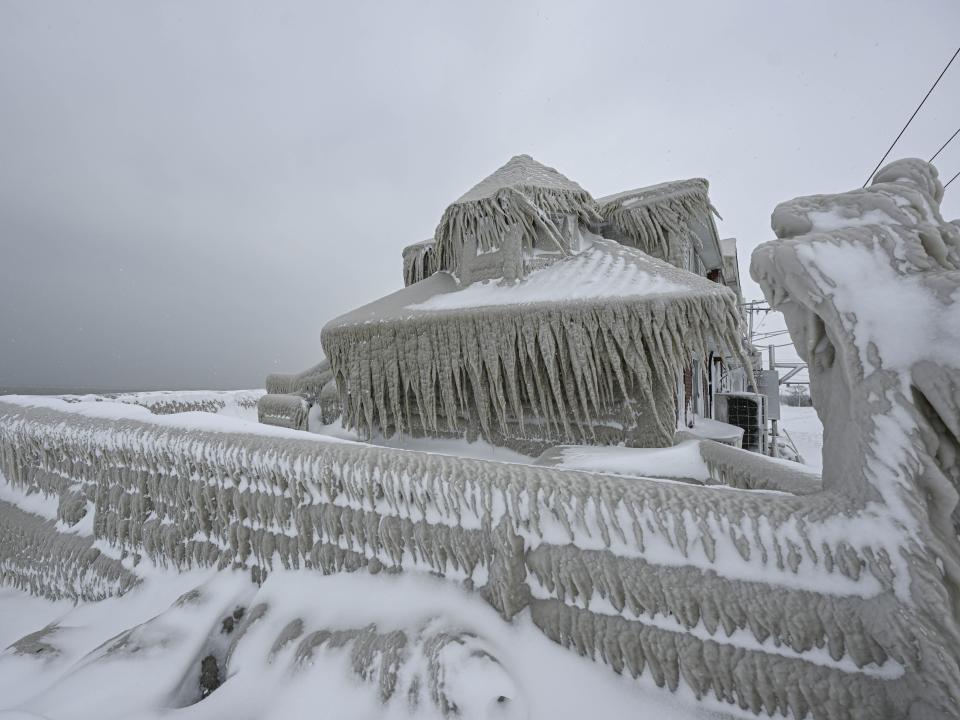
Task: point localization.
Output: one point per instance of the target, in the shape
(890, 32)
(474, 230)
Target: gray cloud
(189, 191)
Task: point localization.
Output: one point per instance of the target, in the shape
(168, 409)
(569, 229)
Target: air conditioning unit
(745, 410)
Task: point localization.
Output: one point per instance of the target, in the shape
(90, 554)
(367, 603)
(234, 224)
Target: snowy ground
(806, 431)
(146, 678)
(479, 448)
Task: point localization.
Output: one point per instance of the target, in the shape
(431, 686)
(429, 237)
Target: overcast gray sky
(190, 190)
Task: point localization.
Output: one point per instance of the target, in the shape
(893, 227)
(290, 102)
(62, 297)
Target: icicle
(658, 220)
(517, 369)
(523, 193)
(419, 261)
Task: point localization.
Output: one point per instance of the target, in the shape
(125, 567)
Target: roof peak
(520, 171)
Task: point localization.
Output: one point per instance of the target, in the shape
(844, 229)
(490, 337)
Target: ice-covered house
(536, 316)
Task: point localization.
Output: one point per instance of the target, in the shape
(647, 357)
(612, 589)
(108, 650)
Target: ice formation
(869, 284)
(229, 625)
(289, 398)
(308, 384)
(166, 402)
(228, 649)
(419, 262)
(662, 220)
(769, 594)
(586, 355)
(522, 193)
(521, 325)
(290, 411)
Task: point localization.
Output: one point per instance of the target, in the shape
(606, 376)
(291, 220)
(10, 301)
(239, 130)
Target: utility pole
(752, 307)
(772, 349)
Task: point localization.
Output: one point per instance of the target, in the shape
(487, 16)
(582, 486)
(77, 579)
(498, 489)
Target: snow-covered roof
(605, 271)
(520, 172)
(653, 193)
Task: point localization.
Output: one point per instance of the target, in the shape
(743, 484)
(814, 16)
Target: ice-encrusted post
(512, 255)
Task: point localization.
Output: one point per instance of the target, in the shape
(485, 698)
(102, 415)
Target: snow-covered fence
(771, 601)
(35, 557)
(168, 402)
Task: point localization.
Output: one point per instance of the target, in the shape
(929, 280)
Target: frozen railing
(771, 601)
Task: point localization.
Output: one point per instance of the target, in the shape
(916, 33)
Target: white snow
(147, 677)
(603, 270)
(715, 430)
(835, 219)
(460, 447)
(897, 316)
(235, 403)
(37, 503)
(805, 429)
(21, 613)
(907, 326)
(680, 461)
(196, 420)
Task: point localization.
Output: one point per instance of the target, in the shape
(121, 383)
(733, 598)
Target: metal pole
(772, 349)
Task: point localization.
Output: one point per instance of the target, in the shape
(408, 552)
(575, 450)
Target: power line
(955, 132)
(951, 180)
(773, 333)
(936, 82)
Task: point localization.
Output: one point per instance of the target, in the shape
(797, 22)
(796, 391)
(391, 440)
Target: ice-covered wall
(767, 600)
(665, 220)
(586, 350)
